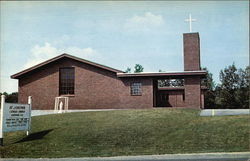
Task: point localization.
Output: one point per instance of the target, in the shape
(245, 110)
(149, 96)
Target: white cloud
(43, 53)
(144, 23)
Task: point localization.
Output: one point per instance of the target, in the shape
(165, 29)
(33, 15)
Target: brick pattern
(193, 96)
(95, 88)
(193, 92)
(202, 99)
(191, 52)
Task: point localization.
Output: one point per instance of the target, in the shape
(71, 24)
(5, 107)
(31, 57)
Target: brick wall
(191, 51)
(95, 88)
(192, 92)
(193, 97)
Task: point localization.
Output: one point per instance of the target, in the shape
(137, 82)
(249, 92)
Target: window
(136, 89)
(67, 81)
(162, 83)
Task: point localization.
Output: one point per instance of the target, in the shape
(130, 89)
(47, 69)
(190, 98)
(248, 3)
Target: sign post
(30, 109)
(15, 117)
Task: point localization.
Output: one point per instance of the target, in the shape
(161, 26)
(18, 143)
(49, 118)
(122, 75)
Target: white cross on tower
(190, 20)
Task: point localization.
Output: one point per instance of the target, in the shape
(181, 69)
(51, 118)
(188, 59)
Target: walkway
(223, 112)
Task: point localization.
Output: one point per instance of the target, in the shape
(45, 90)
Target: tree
(128, 70)
(210, 93)
(10, 98)
(242, 92)
(208, 80)
(233, 92)
(229, 85)
(218, 98)
(138, 68)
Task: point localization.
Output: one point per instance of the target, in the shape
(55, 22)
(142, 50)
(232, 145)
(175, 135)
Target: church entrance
(162, 99)
(168, 92)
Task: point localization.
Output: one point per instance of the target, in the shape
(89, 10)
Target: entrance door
(162, 99)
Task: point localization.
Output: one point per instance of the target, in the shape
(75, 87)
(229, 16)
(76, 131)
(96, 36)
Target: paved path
(236, 156)
(222, 112)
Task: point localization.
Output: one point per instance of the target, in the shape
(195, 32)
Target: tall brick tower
(191, 51)
(192, 63)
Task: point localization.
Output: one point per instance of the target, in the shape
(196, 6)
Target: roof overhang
(178, 88)
(19, 74)
(201, 73)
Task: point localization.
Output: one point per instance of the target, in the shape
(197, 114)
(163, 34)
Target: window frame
(66, 86)
(132, 90)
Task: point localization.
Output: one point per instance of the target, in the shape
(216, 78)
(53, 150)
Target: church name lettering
(16, 117)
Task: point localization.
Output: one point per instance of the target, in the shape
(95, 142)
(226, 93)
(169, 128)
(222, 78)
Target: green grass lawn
(128, 132)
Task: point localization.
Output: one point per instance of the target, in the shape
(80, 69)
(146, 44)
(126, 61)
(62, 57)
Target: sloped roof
(17, 75)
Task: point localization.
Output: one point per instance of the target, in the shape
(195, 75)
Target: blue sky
(122, 34)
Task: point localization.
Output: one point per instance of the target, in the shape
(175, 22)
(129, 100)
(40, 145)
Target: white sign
(16, 117)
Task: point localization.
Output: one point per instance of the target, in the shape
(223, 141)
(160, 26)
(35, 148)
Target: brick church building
(89, 85)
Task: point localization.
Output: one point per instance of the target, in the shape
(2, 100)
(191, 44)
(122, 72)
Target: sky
(121, 34)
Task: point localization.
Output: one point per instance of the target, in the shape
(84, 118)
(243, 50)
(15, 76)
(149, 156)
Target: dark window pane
(67, 81)
(136, 89)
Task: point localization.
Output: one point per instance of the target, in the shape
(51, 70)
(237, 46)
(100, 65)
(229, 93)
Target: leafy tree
(229, 85)
(218, 98)
(242, 93)
(208, 80)
(233, 92)
(210, 93)
(138, 68)
(128, 70)
(11, 98)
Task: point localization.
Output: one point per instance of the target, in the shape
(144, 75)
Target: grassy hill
(128, 132)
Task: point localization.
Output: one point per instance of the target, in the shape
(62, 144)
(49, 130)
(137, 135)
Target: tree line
(233, 90)
(10, 98)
